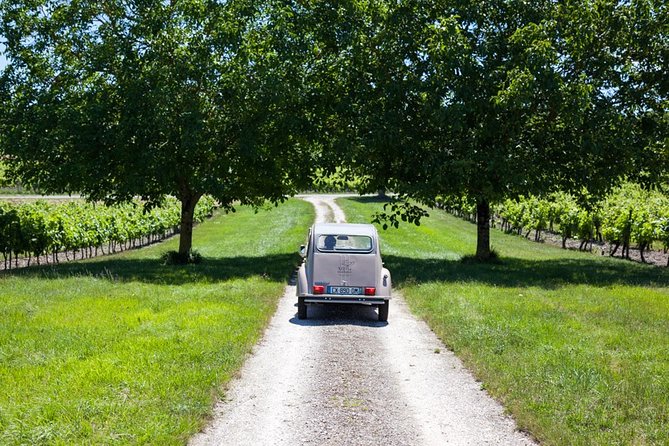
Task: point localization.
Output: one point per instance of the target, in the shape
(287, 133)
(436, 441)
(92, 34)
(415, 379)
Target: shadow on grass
(370, 199)
(513, 272)
(276, 267)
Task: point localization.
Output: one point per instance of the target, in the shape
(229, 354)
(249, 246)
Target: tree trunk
(482, 230)
(188, 202)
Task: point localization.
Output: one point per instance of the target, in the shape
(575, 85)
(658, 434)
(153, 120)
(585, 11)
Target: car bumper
(333, 299)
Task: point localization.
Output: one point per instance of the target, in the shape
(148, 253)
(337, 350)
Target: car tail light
(370, 291)
(319, 289)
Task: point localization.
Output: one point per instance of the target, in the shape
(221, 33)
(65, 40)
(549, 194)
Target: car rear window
(344, 243)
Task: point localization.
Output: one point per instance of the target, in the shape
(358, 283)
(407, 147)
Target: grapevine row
(41, 229)
(628, 216)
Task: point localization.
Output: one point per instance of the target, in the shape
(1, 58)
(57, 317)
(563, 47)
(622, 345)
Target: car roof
(345, 228)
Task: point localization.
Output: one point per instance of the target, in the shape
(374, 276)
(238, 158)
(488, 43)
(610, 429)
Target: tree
(492, 100)
(146, 98)
(640, 82)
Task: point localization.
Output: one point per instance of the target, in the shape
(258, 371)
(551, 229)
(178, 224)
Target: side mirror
(303, 250)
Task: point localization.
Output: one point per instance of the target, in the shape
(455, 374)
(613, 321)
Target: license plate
(350, 290)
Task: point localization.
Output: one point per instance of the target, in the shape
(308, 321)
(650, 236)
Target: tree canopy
(142, 97)
(494, 99)
(245, 100)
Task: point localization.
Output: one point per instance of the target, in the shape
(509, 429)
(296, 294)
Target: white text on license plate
(344, 290)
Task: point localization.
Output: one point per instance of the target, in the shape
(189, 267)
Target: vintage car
(342, 265)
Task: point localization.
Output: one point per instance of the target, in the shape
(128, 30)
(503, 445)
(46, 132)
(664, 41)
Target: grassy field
(576, 346)
(123, 350)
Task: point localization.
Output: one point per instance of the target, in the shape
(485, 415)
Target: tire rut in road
(327, 211)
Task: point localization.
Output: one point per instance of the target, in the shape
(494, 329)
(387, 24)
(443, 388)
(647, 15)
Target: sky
(3, 61)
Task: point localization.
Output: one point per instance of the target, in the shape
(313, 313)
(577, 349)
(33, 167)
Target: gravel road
(341, 377)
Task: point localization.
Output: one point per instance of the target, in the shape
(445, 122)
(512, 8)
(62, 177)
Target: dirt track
(341, 377)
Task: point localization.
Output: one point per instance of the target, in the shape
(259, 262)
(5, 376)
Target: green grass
(123, 350)
(575, 345)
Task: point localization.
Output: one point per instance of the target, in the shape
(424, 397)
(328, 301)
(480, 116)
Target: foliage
(634, 215)
(40, 228)
(3, 175)
(397, 210)
(627, 215)
(151, 98)
(338, 181)
(494, 100)
(240, 99)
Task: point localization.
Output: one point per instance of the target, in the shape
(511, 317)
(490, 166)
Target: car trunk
(335, 269)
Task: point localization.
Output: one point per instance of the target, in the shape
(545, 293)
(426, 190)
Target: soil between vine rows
(652, 257)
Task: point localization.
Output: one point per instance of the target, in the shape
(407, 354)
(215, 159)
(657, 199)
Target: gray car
(342, 265)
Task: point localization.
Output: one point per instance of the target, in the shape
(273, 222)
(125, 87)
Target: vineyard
(45, 231)
(628, 216)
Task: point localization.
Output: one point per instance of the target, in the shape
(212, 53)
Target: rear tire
(301, 308)
(383, 311)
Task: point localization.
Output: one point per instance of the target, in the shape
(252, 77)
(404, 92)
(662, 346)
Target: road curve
(341, 377)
